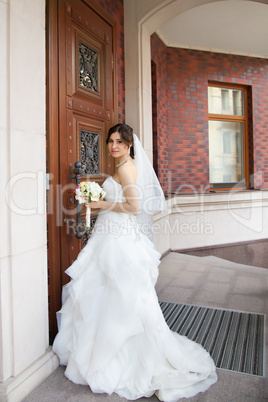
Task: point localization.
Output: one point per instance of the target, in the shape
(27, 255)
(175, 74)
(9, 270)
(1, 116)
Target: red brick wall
(115, 9)
(182, 78)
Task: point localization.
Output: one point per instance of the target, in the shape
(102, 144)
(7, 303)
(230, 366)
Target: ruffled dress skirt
(112, 334)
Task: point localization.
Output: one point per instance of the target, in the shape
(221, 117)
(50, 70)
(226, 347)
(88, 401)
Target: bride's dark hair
(126, 134)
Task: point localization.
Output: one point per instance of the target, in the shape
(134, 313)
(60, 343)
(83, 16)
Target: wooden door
(86, 109)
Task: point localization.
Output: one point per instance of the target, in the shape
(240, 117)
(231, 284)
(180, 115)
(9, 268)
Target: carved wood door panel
(86, 106)
(86, 109)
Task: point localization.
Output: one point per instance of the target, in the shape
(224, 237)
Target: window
(227, 128)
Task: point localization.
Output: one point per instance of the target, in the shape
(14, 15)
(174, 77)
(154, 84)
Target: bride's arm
(127, 176)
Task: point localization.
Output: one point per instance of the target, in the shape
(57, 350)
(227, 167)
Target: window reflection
(226, 101)
(225, 152)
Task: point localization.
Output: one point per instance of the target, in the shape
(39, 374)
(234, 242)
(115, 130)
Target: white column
(25, 358)
(137, 79)
(132, 79)
(141, 19)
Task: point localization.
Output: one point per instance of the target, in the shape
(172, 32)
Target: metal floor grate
(235, 340)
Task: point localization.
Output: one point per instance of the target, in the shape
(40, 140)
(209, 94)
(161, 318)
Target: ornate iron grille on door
(88, 67)
(89, 165)
(90, 152)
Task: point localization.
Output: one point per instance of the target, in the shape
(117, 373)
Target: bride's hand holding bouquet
(87, 192)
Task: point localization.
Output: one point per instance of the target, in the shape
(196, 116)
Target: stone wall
(25, 359)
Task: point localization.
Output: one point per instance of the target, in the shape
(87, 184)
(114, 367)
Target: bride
(112, 334)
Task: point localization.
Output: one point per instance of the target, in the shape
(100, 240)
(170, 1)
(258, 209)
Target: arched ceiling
(227, 26)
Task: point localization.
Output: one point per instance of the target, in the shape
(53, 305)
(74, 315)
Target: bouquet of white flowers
(88, 191)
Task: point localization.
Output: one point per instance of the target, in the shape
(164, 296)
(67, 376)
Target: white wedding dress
(112, 334)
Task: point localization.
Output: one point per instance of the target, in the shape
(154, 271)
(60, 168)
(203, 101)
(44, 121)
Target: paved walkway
(203, 281)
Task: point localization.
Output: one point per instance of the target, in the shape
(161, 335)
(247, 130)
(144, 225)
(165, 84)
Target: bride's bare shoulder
(128, 171)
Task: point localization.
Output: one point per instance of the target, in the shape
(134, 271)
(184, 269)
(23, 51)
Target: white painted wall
(25, 359)
(204, 220)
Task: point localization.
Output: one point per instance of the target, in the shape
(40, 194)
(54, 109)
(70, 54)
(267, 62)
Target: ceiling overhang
(231, 26)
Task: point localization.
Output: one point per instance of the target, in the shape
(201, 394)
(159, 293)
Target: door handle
(78, 225)
(74, 226)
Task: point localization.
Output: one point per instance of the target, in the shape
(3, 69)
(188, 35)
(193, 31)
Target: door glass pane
(226, 152)
(226, 101)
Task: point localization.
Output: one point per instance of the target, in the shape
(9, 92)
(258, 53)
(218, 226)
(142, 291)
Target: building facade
(53, 107)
